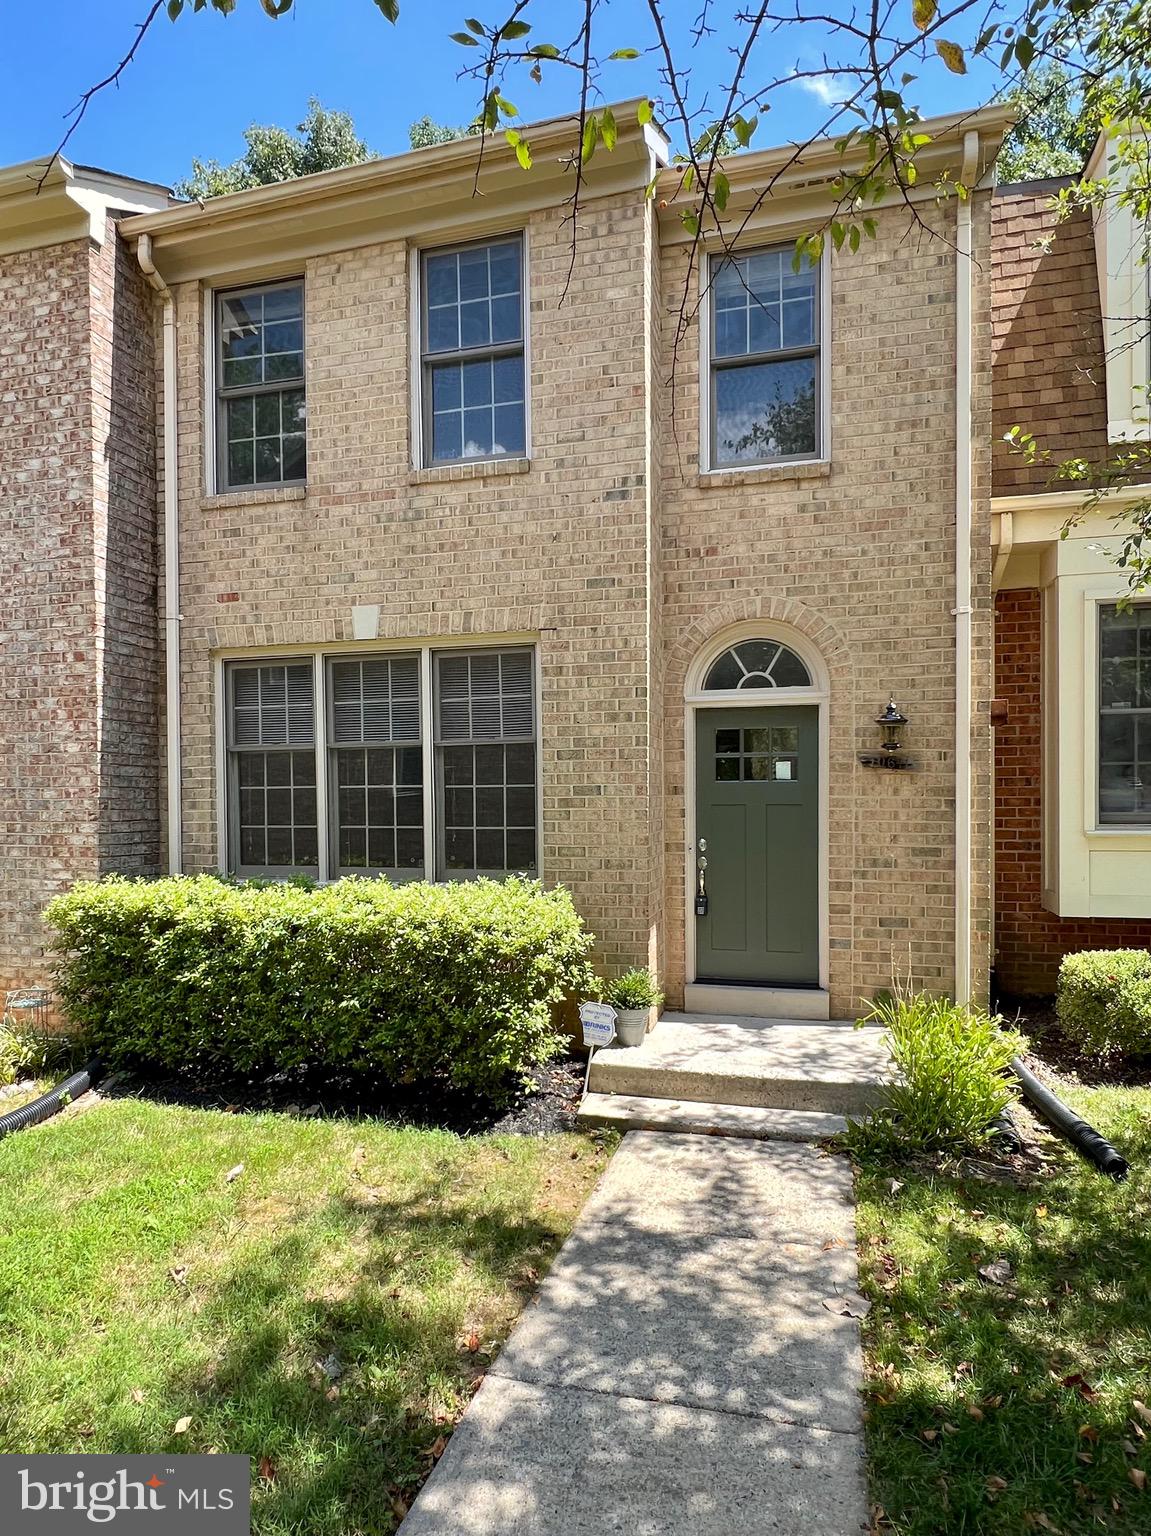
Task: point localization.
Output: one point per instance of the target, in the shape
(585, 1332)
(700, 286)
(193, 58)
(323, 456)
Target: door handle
(701, 885)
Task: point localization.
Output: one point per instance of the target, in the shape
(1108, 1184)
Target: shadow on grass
(341, 1391)
(992, 1406)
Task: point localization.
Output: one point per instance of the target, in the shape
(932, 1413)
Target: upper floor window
(1125, 716)
(765, 359)
(261, 411)
(472, 352)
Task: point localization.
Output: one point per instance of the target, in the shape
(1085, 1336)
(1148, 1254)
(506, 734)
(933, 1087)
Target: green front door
(757, 825)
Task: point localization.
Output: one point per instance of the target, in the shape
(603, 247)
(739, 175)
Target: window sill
(255, 497)
(765, 474)
(484, 470)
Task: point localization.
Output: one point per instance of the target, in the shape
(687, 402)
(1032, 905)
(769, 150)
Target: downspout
(171, 505)
(963, 646)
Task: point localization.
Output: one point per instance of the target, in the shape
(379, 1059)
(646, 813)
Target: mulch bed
(549, 1105)
(1055, 1058)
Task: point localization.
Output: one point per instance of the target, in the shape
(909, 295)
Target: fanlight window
(757, 664)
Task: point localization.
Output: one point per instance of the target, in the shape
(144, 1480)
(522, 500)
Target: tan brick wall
(77, 617)
(861, 561)
(561, 551)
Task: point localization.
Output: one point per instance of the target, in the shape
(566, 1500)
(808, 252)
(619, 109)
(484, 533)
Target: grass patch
(327, 1312)
(994, 1410)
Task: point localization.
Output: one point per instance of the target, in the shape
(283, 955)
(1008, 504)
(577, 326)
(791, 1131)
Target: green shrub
(410, 981)
(1104, 1002)
(633, 989)
(951, 1075)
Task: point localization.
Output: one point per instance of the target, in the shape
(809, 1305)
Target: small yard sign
(598, 1020)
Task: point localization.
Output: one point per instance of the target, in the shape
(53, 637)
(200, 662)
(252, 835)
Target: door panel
(727, 847)
(757, 810)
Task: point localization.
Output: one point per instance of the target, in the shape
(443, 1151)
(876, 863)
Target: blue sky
(196, 84)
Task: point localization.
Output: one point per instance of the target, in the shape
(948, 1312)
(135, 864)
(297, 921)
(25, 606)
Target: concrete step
(628, 1112)
(788, 1064)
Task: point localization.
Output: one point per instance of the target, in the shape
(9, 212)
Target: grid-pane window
(346, 792)
(765, 373)
(472, 344)
(486, 763)
(1125, 716)
(378, 808)
(261, 406)
(273, 823)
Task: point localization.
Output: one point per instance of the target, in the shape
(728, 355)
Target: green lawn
(1007, 1409)
(327, 1312)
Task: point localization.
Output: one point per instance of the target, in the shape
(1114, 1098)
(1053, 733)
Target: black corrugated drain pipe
(1083, 1137)
(49, 1104)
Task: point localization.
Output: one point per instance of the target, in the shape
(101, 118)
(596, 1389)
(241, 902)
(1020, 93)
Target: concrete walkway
(678, 1374)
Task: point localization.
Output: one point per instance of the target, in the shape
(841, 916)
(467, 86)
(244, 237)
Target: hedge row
(1104, 1001)
(410, 981)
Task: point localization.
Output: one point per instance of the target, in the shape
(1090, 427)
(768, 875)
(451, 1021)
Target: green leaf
(464, 39)
(624, 53)
(690, 221)
(513, 29)
(521, 147)
(544, 51)
(475, 26)
(889, 99)
(275, 8)
(1024, 52)
(744, 129)
(923, 13)
(590, 129)
(643, 113)
(720, 190)
(952, 56)
(389, 9)
(506, 108)
(174, 8)
(608, 130)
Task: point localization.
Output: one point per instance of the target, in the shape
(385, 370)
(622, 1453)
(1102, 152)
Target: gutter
(962, 610)
(171, 504)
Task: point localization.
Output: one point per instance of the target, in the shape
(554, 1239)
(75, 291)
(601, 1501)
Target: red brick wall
(1030, 941)
(49, 782)
(78, 739)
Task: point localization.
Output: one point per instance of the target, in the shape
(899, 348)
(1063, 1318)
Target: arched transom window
(756, 664)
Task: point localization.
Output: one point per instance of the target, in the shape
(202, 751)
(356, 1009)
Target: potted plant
(633, 995)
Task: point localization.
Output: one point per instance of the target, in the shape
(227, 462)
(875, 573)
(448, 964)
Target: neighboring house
(356, 524)
(1072, 670)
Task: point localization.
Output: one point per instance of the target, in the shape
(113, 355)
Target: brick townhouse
(363, 524)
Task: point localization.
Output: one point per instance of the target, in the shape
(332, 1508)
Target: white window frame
(215, 439)
(823, 387)
(427, 648)
(1125, 303)
(1089, 869)
(420, 448)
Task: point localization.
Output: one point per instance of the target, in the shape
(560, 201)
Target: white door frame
(696, 699)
